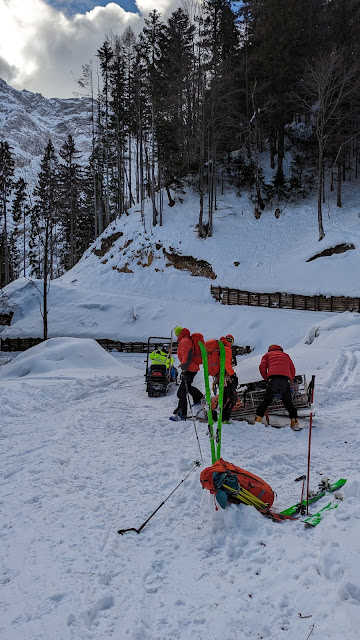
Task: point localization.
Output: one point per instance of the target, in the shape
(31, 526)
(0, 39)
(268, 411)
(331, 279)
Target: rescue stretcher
(251, 394)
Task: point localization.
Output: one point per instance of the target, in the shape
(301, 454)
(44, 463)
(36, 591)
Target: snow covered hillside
(85, 451)
(134, 283)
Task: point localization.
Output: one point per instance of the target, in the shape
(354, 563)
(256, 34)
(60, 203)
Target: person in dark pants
(277, 368)
(189, 364)
(231, 381)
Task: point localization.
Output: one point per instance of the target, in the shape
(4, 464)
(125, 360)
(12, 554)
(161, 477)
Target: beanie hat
(275, 347)
(178, 330)
(230, 338)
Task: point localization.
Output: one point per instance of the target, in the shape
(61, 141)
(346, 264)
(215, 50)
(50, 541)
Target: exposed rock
(188, 263)
(107, 243)
(340, 248)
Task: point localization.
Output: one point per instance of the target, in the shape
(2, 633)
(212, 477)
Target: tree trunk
(319, 208)
(6, 243)
(154, 212)
(45, 279)
(281, 154)
(338, 195)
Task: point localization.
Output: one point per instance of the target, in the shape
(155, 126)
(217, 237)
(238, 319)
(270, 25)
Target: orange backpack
(221, 472)
(213, 356)
(196, 338)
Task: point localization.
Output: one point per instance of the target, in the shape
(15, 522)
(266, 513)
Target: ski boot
(178, 417)
(294, 424)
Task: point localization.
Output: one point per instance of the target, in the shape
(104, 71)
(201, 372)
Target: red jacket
(228, 357)
(276, 363)
(185, 352)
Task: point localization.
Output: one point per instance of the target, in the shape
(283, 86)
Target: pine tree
(277, 50)
(149, 53)
(7, 166)
(176, 109)
(105, 54)
(129, 53)
(70, 201)
(220, 40)
(119, 124)
(44, 219)
(20, 211)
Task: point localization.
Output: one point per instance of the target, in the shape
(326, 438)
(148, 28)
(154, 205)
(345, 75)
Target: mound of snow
(65, 358)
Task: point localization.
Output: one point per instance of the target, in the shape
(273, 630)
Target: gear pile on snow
(231, 483)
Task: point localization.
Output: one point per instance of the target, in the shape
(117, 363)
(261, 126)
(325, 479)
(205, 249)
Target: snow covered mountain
(27, 120)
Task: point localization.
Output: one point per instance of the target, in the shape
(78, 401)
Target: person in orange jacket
(231, 380)
(189, 364)
(277, 368)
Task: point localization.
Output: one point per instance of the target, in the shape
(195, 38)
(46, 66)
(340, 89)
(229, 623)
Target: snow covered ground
(85, 452)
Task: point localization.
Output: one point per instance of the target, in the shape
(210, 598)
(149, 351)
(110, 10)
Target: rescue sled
(251, 394)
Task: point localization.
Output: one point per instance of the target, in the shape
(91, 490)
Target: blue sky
(70, 7)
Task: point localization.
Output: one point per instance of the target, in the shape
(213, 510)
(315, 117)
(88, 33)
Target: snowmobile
(160, 372)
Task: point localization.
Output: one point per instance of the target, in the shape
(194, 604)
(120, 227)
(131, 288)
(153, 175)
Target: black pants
(230, 397)
(275, 385)
(187, 378)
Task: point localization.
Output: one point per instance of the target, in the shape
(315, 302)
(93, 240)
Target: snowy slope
(86, 451)
(84, 457)
(133, 283)
(268, 254)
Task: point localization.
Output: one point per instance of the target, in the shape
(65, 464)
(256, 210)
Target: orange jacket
(185, 352)
(228, 357)
(276, 363)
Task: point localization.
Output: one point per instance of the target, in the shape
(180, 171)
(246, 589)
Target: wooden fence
(22, 344)
(337, 304)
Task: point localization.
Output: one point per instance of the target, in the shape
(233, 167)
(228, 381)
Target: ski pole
(309, 446)
(193, 417)
(122, 531)
(308, 468)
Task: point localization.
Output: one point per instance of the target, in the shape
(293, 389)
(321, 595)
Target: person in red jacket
(277, 368)
(189, 364)
(231, 381)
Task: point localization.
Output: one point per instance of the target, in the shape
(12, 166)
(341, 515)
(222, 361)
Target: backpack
(225, 473)
(196, 338)
(213, 356)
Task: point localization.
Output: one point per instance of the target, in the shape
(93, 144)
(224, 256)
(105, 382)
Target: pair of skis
(324, 488)
(214, 438)
(290, 514)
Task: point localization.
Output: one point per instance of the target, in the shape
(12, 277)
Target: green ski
(324, 488)
(221, 398)
(208, 400)
(313, 520)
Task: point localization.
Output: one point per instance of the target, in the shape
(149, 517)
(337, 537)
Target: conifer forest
(208, 97)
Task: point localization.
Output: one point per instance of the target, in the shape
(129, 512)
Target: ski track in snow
(84, 463)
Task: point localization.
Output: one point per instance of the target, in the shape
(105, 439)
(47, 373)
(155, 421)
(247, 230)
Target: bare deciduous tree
(328, 89)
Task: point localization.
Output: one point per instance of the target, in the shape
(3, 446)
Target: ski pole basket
(252, 393)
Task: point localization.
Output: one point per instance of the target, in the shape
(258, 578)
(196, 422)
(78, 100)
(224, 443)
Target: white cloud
(42, 50)
(161, 6)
